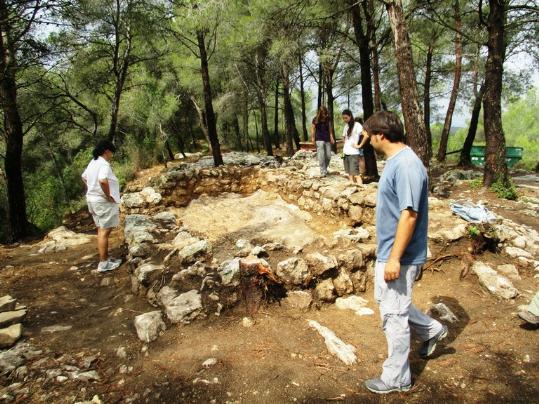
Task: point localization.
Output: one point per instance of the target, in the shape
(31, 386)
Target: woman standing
(322, 134)
(354, 162)
(103, 197)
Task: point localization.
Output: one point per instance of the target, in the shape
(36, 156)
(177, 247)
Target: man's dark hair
(101, 147)
(388, 123)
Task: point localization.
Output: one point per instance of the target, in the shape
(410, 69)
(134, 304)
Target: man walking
(401, 231)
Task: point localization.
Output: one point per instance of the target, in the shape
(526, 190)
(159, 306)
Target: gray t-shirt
(403, 185)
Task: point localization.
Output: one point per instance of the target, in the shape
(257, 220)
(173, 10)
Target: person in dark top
(322, 134)
(371, 169)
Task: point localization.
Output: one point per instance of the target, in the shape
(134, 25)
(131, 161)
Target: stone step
(11, 317)
(7, 303)
(10, 335)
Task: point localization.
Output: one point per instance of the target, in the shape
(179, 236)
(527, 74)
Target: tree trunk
(413, 117)
(246, 120)
(236, 126)
(426, 97)
(442, 150)
(362, 41)
(495, 164)
(302, 94)
(465, 159)
(264, 124)
(320, 99)
(276, 118)
(330, 100)
(208, 103)
(371, 27)
(256, 131)
(290, 123)
(18, 225)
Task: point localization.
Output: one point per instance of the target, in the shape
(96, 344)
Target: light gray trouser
(398, 315)
(323, 151)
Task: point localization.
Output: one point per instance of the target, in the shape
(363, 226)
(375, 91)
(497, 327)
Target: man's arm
(106, 189)
(403, 235)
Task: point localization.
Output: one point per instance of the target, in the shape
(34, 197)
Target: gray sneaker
(107, 266)
(429, 346)
(379, 387)
(529, 317)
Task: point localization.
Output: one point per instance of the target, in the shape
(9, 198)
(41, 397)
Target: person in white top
(354, 162)
(103, 198)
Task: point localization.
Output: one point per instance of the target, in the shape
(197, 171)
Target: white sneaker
(115, 260)
(106, 266)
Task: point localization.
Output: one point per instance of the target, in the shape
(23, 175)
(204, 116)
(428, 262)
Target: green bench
(512, 155)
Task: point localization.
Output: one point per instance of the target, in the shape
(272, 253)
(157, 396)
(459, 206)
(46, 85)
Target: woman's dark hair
(101, 147)
(351, 122)
(388, 123)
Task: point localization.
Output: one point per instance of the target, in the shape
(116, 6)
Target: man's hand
(111, 199)
(332, 140)
(392, 270)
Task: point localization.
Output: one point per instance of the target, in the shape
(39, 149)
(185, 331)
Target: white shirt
(99, 170)
(351, 140)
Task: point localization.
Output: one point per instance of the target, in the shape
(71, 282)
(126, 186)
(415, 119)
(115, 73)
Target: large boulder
(319, 264)
(230, 272)
(184, 308)
(7, 303)
(293, 271)
(343, 284)
(11, 317)
(149, 325)
(147, 273)
(325, 291)
(495, 283)
(61, 239)
(298, 299)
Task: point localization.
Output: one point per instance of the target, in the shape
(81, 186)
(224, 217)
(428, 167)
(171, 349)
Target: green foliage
(504, 190)
(476, 183)
(473, 231)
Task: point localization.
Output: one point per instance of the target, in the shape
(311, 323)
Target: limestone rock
(453, 234)
(343, 283)
(325, 291)
(191, 252)
(345, 352)
(230, 272)
(165, 218)
(444, 313)
(147, 273)
(355, 213)
(319, 264)
(517, 252)
(10, 335)
(11, 317)
(496, 284)
(166, 294)
(149, 325)
(132, 200)
(355, 303)
(7, 303)
(293, 271)
(259, 251)
(509, 270)
(184, 308)
(150, 196)
(353, 235)
(244, 247)
(298, 299)
(359, 280)
(351, 260)
(61, 239)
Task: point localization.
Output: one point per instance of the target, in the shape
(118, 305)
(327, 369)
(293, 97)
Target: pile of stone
(61, 239)
(11, 316)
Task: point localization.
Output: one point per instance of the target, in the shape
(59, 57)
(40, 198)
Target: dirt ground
(489, 356)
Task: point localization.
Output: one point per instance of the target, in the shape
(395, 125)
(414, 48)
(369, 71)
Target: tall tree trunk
(257, 136)
(442, 149)
(465, 159)
(320, 99)
(362, 41)
(371, 28)
(236, 126)
(264, 124)
(495, 164)
(302, 94)
(290, 123)
(208, 103)
(328, 79)
(413, 117)
(18, 225)
(276, 118)
(426, 97)
(246, 120)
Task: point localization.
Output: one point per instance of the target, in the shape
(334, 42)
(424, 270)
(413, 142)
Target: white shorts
(106, 214)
